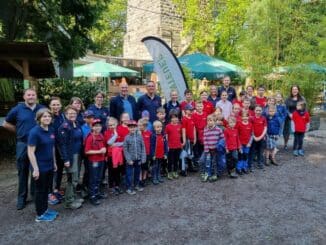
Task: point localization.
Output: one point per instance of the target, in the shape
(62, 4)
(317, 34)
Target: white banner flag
(166, 66)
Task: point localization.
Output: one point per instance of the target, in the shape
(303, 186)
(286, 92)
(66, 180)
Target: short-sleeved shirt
(159, 150)
(173, 131)
(189, 126)
(149, 104)
(95, 142)
(245, 132)
(23, 118)
(226, 108)
(258, 125)
(230, 91)
(44, 141)
(147, 140)
(200, 121)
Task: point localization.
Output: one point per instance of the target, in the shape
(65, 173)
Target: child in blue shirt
(274, 123)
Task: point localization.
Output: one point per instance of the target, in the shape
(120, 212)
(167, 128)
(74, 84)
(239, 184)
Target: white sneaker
(130, 192)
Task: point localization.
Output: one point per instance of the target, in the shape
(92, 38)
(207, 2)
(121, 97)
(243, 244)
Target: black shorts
(145, 166)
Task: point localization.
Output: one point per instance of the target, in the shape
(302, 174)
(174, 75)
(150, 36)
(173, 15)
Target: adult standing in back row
(21, 119)
(149, 102)
(226, 87)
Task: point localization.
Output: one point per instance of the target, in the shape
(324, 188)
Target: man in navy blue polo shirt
(149, 101)
(20, 120)
(123, 103)
(226, 87)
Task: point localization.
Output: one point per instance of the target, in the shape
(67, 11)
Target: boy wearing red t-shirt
(159, 152)
(199, 118)
(246, 108)
(188, 101)
(300, 125)
(173, 135)
(95, 150)
(232, 146)
(245, 136)
(189, 138)
(260, 99)
(259, 125)
(146, 134)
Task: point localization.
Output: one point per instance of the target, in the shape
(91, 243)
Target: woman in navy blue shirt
(41, 154)
(79, 105)
(70, 139)
(100, 111)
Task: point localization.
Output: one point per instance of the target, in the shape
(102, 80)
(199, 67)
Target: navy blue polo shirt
(23, 118)
(230, 90)
(43, 140)
(151, 105)
(80, 119)
(99, 113)
(213, 101)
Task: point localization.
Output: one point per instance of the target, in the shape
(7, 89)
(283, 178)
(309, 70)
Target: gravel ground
(280, 205)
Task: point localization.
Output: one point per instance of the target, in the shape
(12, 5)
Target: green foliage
(108, 32)
(7, 93)
(64, 24)
(66, 89)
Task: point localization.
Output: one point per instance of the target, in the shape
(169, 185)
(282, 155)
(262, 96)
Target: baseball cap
(88, 113)
(145, 113)
(96, 121)
(189, 107)
(132, 123)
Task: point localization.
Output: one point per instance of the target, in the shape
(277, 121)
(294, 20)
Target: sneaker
(142, 183)
(295, 153)
(170, 176)
(58, 195)
(119, 190)
(80, 200)
(102, 196)
(52, 200)
(301, 153)
(45, 217)
(239, 172)
(155, 182)
(94, 201)
(130, 192)
(52, 212)
(175, 175)
(233, 175)
(138, 188)
(73, 205)
(285, 147)
(274, 162)
(20, 206)
(161, 180)
(183, 173)
(213, 178)
(204, 178)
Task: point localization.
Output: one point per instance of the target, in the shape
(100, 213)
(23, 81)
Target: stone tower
(152, 18)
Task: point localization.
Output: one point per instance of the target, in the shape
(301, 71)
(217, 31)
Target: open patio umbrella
(201, 65)
(103, 69)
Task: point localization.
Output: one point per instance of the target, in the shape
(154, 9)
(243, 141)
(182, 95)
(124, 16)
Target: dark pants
(22, 164)
(173, 159)
(257, 149)
(114, 174)
(42, 185)
(156, 169)
(198, 151)
(298, 140)
(231, 160)
(58, 174)
(132, 174)
(95, 170)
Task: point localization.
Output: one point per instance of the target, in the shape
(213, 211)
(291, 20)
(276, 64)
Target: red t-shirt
(239, 102)
(245, 132)
(173, 131)
(184, 103)
(108, 135)
(95, 142)
(261, 101)
(300, 121)
(188, 124)
(258, 125)
(122, 132)
(159, 151)
(200, 121)
(208, 107)
(147, 140)
(232, 141)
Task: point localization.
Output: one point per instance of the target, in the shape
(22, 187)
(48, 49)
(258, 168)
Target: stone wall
(151, 18)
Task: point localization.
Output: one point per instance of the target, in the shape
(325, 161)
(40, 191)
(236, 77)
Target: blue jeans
(221, 161)
(95, 170)
(156, 169)
(211, 162)
(243, 158)
(132, 174)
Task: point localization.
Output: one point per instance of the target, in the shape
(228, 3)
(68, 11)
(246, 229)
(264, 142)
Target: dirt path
(281, 205)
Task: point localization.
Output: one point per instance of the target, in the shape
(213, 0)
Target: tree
(64, 24)
(199, 23)
(107, 34)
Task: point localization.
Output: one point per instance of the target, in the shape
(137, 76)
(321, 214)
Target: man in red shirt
(259, 125)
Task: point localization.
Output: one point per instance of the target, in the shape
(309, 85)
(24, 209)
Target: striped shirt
(211, 137)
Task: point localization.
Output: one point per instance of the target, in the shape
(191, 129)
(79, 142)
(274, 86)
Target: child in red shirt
(300, 125)
(245, 136)
(161, 115)
(95, 150)
(189, 138)
(259, 125)
(173, 136)
(260, 99)
(246, 108)
(208, 106)
(159, 152)
(188, 100)
(232, 146)
(199, 118)
(146, 134)
(114, 155)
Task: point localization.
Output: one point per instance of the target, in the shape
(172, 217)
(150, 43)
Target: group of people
(145, 141)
